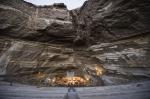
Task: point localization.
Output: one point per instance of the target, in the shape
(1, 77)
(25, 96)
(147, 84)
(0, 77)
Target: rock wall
(53, 13)
(21, 5)
(107, 20)
(41, 23)
(22, 60)
(123, 22)
(96, 21)
(125, 60)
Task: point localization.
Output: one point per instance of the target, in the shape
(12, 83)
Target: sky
(71, 4)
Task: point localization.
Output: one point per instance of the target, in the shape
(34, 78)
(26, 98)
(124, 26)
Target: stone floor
(131, 91)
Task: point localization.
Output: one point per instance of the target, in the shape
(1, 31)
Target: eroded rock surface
(40, 23)
(124, 60)
(106, 20)
(23, 26)
(36, 63)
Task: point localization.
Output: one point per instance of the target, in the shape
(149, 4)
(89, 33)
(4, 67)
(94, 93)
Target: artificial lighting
(72, 77)
(74, 81)
(40, 75)
(99, 71)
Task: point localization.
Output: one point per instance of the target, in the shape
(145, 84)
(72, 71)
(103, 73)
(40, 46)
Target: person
(72, 94)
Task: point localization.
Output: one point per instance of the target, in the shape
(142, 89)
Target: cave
(95, 49)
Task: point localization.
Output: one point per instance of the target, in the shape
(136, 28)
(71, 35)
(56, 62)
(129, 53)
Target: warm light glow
(72, 81)
(72, 78)
(53, 80)
(40, 75)
(99, 71)
(87, 77)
